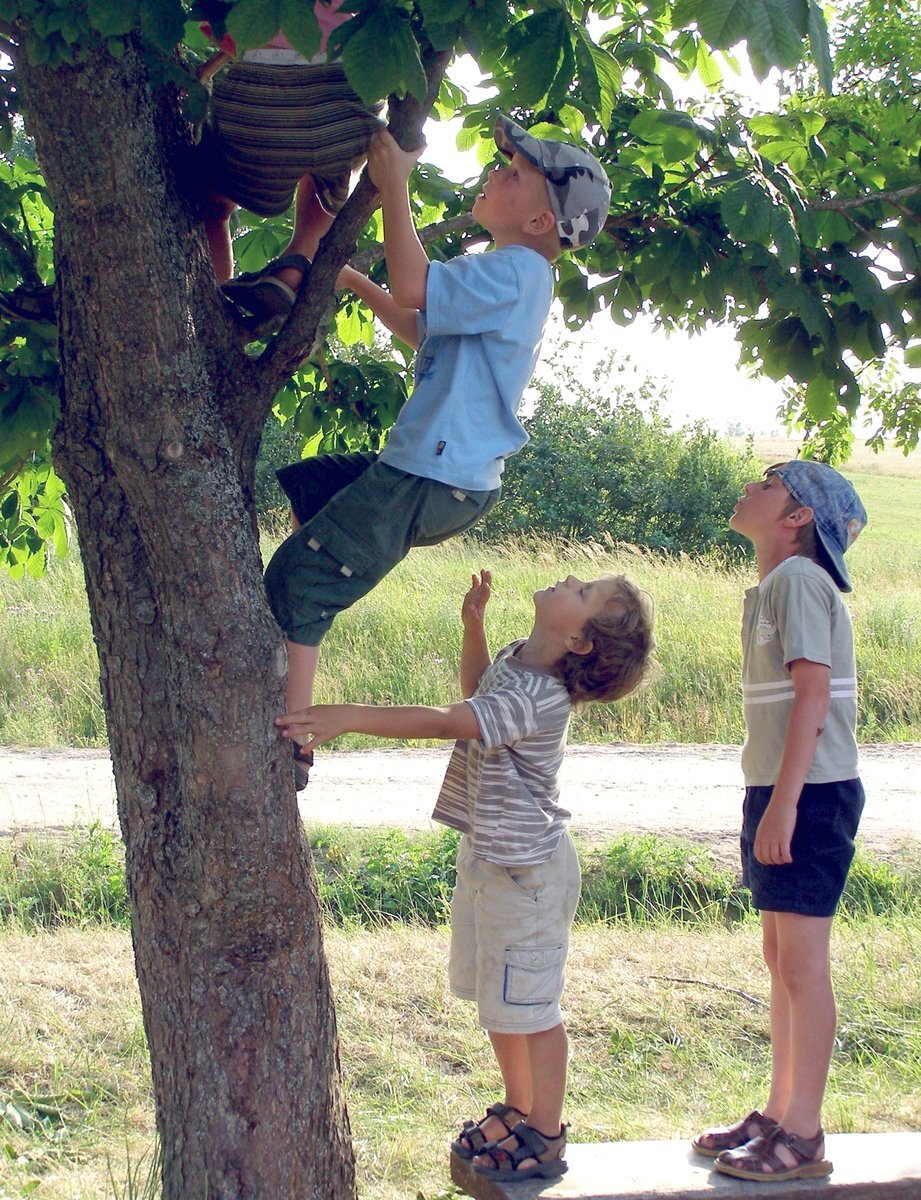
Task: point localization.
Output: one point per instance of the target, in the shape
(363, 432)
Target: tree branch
(717, 987)
(842, 205)
(365, 259)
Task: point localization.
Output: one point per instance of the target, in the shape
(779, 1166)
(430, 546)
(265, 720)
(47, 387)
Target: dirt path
(683, 791)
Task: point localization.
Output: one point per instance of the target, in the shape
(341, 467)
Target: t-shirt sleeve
(472, 294)
(508, 715)
(802, 613)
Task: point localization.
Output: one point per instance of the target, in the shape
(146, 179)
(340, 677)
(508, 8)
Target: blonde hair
(622, 646)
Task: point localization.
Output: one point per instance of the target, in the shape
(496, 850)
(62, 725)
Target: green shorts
(359, 518)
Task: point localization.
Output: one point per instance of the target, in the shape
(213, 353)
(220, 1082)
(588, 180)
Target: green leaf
(534, 52)
(600, 77)
(821, 398)
(818, 44)
(162, 23)
(300, 26)
(773, 29)
(253, 22)
(746, 210)
(381, 56)
(786, 240)
(113, 18)
(771, 125)
(708, 69)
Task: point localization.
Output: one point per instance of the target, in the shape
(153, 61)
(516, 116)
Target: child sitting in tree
(478, 322)
(281, 127)
(517, 871)
(803, 797)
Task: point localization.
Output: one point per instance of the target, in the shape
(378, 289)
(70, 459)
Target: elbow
(408, 297)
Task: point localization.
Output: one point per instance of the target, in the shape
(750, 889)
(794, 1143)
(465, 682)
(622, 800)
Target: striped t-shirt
(503, 789)
(796, 612)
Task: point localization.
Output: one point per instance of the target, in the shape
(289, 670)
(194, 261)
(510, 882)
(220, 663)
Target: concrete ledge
(868, 1166)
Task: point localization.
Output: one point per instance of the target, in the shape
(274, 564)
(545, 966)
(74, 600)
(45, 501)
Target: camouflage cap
(579, 189)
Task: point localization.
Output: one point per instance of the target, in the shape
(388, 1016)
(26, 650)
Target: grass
(373, 878)
(663, 1040)
(48, 693)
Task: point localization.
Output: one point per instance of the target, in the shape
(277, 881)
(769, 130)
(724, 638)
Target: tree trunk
(157, 443)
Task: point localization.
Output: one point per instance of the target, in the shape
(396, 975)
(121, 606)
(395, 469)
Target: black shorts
(827, 817)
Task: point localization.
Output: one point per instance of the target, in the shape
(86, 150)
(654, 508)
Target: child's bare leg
(538, 1065)
(511, 1051)
(302, 671)
(217, 211)
(781, 1070)
(805, 973)
(548, 1054)
(311, 222)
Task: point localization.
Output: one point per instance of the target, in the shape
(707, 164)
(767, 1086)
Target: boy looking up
(803, 798)
(477, 322)
(517, 871)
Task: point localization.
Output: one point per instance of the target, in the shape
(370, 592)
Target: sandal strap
(762, 1150)
(806, 1149)
(533, 1144)
(501, 1110)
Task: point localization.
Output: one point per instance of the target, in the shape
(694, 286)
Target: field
(668, 1017)
(48, 670)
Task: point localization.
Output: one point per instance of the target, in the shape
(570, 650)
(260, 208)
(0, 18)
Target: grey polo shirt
(796, 612)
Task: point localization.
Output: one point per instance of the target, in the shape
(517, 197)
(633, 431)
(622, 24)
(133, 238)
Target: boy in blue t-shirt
(803, 797)
(477, 322)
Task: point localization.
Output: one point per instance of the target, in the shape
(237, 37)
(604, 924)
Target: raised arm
(312, 726)
(407, 263)
(400, 321)
(475, 656)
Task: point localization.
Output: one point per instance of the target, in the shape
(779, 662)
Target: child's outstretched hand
(477, 598)
(387, 163)
(311, 727)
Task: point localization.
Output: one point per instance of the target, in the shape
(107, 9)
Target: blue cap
(837, 511)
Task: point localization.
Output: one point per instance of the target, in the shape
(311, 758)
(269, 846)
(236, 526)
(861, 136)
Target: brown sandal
(504, 1160)
(712, 1142)
(472, 1139)
(758, 1159)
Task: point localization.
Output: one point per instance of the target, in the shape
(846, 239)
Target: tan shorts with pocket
(510, 937)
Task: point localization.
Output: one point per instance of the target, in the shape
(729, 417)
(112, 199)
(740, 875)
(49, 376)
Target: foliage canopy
(800, 226)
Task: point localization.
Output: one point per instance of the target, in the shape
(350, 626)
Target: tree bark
(160, 427)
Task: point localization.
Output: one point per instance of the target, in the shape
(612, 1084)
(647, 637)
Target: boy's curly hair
(622, 646)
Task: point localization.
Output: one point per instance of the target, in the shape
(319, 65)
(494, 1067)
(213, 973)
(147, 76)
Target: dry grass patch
(668, 1029)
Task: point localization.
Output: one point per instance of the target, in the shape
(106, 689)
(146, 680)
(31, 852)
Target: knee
(216, 209)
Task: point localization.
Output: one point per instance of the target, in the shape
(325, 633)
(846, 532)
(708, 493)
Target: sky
(698, 372)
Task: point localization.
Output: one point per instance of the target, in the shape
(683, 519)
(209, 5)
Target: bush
(599, 465)
(370, 878)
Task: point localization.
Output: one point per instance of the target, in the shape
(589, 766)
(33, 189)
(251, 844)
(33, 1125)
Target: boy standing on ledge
(803, 798)
(517, 871)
